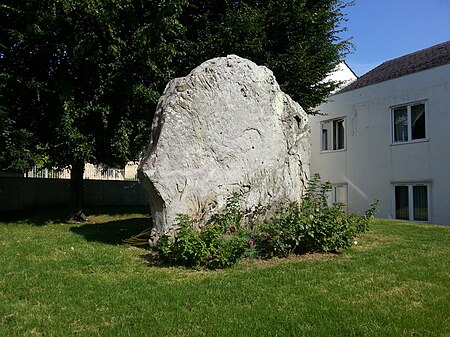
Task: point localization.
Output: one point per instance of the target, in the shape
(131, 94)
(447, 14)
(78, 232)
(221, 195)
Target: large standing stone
(226, 127)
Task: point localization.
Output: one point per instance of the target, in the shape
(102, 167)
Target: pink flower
(250, 243)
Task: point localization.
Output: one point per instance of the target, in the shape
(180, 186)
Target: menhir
(225, 128)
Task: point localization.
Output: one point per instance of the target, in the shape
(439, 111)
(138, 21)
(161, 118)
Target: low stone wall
(18, 193)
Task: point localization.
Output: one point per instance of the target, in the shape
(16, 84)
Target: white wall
(342, 73)
(370, 164)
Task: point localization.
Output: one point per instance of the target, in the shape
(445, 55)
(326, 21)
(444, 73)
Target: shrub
(187, 248)
(221, 243)
(281, 235)
(310, 226)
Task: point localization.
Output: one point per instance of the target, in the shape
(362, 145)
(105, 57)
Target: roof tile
(425, 59)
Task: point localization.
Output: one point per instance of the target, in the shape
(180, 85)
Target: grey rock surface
(226, 127)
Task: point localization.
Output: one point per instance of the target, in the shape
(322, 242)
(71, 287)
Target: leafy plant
(221, 243)
(187, 248)
(310, 226)
(313, 225)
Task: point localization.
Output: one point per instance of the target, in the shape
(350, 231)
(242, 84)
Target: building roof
(425, 59)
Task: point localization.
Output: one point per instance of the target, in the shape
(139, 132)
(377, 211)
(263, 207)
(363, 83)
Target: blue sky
(385, 29)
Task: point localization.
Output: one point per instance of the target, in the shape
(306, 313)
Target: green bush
(221, 243)
(188, 248)
(312, 226)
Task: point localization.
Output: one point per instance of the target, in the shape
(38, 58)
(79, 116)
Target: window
(333, 135)
(338, 194)
(411, 202)
(409, 123)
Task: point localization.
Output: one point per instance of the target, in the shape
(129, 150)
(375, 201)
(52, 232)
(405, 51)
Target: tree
(297, 39)
(80, 79)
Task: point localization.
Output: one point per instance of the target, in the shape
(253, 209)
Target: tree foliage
(80, 78)
(297, 39)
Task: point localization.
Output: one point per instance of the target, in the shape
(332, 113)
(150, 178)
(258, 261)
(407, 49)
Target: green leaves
(221, 243)
(312, 226)
(112, 59)
(82, 78)
(297, 39)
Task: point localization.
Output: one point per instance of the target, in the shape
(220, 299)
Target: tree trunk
(76, 192)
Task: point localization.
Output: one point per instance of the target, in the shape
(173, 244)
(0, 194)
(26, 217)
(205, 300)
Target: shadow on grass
(112, 232)
(117, 210)
(152, 259)
(35, 217)
(43, 216)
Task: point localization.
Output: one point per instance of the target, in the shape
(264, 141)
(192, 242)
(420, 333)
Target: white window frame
(409, 126)
(331, 135)
(411, 202)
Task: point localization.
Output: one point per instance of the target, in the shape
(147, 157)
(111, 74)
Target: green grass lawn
(80, 280)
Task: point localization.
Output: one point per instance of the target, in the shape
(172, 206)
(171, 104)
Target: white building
(386, 136)
(342, 73)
